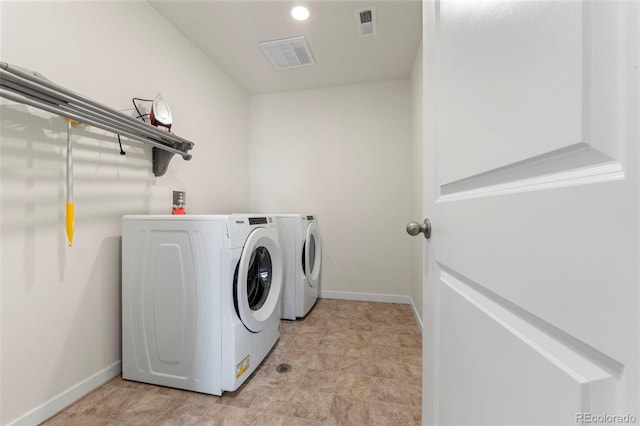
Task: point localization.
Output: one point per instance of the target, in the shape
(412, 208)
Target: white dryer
(200, 298)
(302, 250)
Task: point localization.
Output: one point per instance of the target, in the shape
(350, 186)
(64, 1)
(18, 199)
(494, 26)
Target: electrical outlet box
(178, 198)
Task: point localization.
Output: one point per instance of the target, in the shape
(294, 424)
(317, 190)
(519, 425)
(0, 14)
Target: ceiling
(229, 32)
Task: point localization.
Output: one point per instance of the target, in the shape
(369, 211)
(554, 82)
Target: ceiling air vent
(366, 19)
(288, 52)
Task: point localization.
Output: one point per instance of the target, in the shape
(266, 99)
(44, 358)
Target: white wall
(60, 307)
(343, 153)
(417, 213)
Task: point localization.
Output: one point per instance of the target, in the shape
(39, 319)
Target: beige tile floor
(353, 363)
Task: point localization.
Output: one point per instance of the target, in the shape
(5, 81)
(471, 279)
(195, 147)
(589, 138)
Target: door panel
(527, 362)
(522, 89)
(532, 285)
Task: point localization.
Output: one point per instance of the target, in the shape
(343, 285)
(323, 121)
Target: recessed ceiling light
(300, 13)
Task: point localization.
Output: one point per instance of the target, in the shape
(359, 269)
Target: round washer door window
(259, 278)
(258, 281)
(312, 255)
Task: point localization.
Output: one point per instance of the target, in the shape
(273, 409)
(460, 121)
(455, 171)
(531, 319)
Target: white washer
(302, 250)
(200, 299)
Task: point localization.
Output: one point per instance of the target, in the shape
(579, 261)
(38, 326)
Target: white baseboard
(365, 297)
(68, 397)
(373, 297)
(415, 314)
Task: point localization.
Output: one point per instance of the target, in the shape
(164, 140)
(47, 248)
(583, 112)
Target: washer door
(258, 281)
(312, 255)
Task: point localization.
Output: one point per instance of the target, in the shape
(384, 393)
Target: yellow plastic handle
(70, 219)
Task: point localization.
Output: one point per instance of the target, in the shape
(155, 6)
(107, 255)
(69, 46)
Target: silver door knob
(414, 228)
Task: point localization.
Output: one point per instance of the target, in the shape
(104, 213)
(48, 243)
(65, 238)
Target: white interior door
(531, 129)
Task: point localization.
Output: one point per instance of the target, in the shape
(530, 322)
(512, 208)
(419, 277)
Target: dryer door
(312, 255)
(259, 280)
